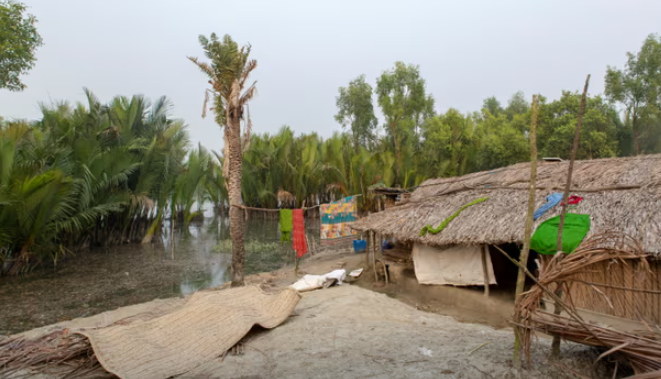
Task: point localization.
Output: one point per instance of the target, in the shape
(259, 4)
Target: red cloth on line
(573, 200)
(298, 222)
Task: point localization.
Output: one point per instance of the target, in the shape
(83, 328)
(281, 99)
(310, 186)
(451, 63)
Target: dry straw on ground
(208, 325)
(643, 351)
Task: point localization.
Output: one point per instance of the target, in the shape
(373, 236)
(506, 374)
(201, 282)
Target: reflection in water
(107, 278)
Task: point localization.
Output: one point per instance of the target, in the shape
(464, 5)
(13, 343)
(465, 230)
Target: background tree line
(415, 142)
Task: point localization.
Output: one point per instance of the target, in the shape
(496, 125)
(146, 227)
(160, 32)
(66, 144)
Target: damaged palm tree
(228, 72)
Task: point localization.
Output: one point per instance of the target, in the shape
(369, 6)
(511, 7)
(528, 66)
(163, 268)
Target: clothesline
(278, 209)
(269, 209)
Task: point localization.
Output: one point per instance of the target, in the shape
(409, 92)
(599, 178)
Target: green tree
(557, 125)
(638, 88)
(355, 110)
(19, 40)
(406, 105)
(492, 105)
(517, 105)
(448, 148)
(499, 143)
(228, 73)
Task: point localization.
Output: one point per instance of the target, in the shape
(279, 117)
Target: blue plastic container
(359, 245)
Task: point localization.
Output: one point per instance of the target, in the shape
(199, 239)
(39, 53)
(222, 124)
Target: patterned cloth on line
(300, 245)
(336, 220)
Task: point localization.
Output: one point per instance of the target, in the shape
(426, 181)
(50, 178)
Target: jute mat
(208, 325)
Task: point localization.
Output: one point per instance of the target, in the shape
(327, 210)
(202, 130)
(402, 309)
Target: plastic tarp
(545, 239)
(456, 265)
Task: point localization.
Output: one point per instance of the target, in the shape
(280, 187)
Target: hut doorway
(506, 272)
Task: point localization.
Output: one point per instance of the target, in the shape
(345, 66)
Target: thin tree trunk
(636, 145)
(237, 221)
(397, 152)
(521, 278)
(555, 346)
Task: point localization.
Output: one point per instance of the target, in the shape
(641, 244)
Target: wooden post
(485, 269)
(172, 218)
(376, 277)
(367, 249)
(521, 278)
(555, 346)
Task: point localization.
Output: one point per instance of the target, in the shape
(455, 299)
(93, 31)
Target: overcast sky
(467, 51)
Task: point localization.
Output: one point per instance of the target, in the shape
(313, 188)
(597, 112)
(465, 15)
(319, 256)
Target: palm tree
(86, 175)
(228, 72)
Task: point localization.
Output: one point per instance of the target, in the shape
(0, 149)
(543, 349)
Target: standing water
(107, 278)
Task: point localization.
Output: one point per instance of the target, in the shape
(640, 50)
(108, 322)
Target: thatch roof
(382, 190)
(621, 194)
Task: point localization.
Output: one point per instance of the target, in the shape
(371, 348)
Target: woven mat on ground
(208, 325)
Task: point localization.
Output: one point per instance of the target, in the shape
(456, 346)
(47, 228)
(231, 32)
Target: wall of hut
(612, 298)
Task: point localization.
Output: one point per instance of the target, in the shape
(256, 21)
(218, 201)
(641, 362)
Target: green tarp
(545, 239)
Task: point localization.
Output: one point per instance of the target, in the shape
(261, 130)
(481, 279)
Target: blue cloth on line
(551, 201)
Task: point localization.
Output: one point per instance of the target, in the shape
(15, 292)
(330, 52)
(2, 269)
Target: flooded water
(103, 279)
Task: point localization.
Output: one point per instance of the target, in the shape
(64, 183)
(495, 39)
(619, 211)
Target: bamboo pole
(377, 245)
(485, 269)
(373, 236)
(521, 278)
(555, 346)
(172, 235)
(367, 249)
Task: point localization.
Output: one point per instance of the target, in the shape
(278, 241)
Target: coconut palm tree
(228, 70)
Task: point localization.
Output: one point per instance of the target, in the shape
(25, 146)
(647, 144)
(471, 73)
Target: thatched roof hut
(622, 194)
(391, 196)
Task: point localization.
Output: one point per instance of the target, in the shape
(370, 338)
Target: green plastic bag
(545, 239)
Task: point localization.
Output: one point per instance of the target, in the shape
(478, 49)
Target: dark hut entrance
(506, 272)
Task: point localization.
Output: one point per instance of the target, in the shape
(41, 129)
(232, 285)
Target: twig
(479, 347)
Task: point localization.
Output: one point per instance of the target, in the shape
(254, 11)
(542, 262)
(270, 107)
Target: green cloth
(545, 239)
(430, 229)
(286, 225)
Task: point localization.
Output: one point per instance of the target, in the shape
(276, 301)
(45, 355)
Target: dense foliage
(19, 40)
(94, 175)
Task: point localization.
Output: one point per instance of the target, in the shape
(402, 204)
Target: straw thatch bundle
(643, 351)
(619, 194)
(59, 354)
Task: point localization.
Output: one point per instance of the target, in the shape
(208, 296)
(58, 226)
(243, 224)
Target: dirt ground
(352, 332)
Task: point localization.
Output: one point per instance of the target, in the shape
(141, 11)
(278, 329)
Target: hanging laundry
(551, 201)
(574, 200)
(336, 220)
(285, 225)
(545, 239)
(439, 228)
(300, 245)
